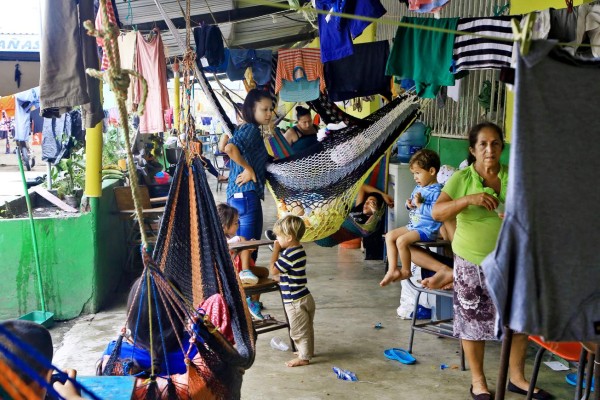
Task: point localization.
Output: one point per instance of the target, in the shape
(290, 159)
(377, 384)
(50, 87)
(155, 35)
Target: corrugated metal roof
(257, 27)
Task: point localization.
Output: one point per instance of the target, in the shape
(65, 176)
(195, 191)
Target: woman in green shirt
(475, 197)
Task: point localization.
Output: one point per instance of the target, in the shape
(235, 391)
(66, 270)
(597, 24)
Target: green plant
(68, 175)
(113, 148)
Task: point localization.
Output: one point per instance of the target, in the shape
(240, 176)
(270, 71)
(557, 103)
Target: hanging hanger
(569, 4)
(523, 36)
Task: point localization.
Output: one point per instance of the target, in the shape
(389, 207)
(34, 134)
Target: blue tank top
(304, 141)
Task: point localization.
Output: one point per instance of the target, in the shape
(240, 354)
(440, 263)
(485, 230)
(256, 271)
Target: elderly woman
(304, 134)
(473, 196)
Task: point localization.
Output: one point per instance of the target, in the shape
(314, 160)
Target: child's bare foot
(393, 276)
(438, 281)
(297, 362)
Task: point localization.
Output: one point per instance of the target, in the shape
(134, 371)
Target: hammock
(191, 253)
(352, 229)
(320, 186)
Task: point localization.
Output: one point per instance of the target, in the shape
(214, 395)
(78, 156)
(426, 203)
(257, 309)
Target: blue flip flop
(572, 380)
(400, 355)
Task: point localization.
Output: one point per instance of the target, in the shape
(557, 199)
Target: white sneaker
(248, 278)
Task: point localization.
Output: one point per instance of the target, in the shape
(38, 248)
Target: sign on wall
(20, 26)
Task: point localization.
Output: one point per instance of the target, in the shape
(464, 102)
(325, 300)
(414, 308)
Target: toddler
(424, 166)
(289, 263)
(242, 260)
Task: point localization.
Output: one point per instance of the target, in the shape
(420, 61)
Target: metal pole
(49, 175)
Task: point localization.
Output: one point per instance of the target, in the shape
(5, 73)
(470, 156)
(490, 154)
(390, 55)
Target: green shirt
(477, 229)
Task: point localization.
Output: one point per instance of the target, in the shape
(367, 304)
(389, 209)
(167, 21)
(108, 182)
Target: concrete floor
(349, 303)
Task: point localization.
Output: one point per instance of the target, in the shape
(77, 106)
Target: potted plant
(68, 178)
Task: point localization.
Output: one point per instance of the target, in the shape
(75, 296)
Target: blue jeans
(251, 216)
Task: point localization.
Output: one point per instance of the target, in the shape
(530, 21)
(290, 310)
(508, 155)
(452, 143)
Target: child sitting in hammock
(160, 347)
(242, 260)
(425, 165)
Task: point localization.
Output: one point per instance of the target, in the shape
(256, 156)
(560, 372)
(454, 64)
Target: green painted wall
(454, 151)
(81, 261)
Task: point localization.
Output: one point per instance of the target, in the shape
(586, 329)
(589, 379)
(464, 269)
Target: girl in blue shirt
(248, 170)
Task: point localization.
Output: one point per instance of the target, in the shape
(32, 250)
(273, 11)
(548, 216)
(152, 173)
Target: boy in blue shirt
(424, 165)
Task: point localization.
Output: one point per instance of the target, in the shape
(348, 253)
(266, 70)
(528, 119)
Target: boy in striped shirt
(289, 263)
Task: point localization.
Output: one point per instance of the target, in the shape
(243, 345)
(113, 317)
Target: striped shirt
(481, 53)
(308, 59)
(292, 267)
(248, 139)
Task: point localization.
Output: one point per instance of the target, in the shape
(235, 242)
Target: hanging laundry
(426, 6)
(209, 44)
(259, 60)
(99, 26)
(563, 25)
(66, 51)
(361, 74)
(543, 275)
(7, 103)
(151, 64)
(471, 52)
(127, 43)
(219, 69)
(423, 56)
(24, 102)
(57, 138)
(336, 33)
(308, 59)
(588, 23)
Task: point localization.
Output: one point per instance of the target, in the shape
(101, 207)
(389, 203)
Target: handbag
(300, 89)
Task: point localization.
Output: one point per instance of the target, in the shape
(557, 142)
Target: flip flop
(400, 355)
(572, 380)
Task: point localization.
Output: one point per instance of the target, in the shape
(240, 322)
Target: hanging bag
(300, 89)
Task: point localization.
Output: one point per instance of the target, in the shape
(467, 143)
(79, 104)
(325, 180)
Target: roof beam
(234, 15)
(278, 42)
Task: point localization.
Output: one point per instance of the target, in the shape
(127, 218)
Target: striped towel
(478, 53)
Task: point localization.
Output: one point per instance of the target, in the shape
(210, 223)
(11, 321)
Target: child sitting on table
(242, 260)
(424, 165)
(289, 263)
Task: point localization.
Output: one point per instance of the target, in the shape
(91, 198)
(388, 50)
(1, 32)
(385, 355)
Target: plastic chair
(570, 351)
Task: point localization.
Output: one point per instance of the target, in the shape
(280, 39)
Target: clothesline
(388, 21)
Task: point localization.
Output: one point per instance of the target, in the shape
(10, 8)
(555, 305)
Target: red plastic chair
(570, 351)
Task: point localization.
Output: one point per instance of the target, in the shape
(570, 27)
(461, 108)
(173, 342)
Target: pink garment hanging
(100, 41)
(308, 59)
(151, 64)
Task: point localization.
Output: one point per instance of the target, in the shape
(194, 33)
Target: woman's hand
(246, 176)
(485, 200)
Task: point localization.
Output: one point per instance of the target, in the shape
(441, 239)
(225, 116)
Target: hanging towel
(65, 52)
(480, 53)
(151, 64)
(24, 102)
(336, 33)
(543, 274)
(361, 74)
(259, 60)
(308, 59)
(127, 44)
(424, 56)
